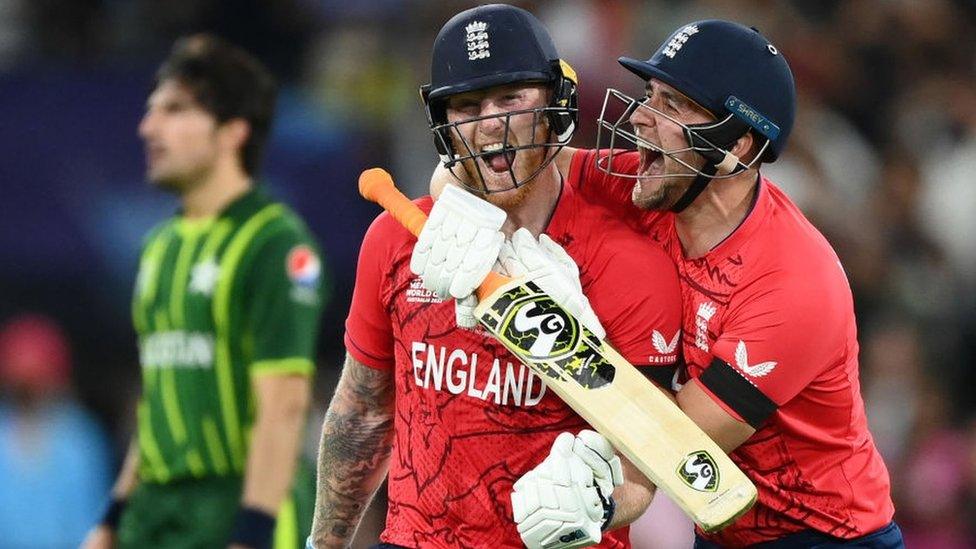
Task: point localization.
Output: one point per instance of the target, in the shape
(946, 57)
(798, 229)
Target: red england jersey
(769, 333)
(470, 418)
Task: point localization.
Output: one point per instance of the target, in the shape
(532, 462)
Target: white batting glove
(597, 452)
(458, 246)
(548, 265)
(559, 503)
(464, 312)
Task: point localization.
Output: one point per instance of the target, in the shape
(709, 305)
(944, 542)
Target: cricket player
(226, 309)
(769, 335)
(435, 402)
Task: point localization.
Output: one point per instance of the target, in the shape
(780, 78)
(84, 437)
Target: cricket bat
(599, 384)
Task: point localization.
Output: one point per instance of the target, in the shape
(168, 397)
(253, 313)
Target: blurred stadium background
(883, 159)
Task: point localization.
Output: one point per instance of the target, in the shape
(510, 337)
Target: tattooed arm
(354, 451)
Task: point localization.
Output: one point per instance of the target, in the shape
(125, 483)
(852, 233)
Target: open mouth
(651, 162)
(497, 157)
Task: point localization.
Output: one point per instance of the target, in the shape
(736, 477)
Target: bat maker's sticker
(539, 332)
(698, 470)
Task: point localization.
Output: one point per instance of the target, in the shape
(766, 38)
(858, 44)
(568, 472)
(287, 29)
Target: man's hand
(566, 500)
(100, 537)
(548, 265)
(457, 248)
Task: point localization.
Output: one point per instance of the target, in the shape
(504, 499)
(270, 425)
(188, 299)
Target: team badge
(476, 40)
(303, 266)
(679, 39)
(698, 470)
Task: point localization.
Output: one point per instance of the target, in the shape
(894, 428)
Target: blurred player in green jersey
(226, 308)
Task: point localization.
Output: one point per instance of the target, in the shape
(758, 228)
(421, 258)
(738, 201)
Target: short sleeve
(284, 300)
(369, 333)
(787, 332)
(638, 299)
(612, 191)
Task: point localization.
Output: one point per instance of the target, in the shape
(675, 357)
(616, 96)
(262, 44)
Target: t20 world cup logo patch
(303, 266)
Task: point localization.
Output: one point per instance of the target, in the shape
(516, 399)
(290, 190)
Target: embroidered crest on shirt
(203, 277)
(666, 349)
(705, 313)
(476, 40)
(742, 362)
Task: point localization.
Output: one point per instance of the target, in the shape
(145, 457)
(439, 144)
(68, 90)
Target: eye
(466, 106)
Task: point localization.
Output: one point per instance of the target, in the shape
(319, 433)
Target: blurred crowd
(882, 159)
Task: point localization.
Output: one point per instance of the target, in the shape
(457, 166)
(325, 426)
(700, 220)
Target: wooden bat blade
(600, 385)
(618, 401)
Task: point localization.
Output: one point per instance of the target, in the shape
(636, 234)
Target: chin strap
(701, 181)
(713, 142)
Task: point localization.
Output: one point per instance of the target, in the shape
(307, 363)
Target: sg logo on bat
(698, 470)
(539, 332)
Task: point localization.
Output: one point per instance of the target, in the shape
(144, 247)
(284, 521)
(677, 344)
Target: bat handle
(376, 185)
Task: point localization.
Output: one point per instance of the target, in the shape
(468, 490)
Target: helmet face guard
(486, 47)
(712, 140)
(449, 137)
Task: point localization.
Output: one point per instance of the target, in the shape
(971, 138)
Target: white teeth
(492, 147)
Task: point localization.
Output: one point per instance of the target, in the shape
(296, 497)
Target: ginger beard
(494, 171)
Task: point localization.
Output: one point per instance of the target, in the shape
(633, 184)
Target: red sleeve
(789, 328)
(611, 191)
(369, 332)
(638, 299)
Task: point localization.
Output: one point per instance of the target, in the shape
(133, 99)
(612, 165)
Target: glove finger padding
(598, 454)
(548, 265)
(458, 244)
(556, 505)
(477, 261)
(508, 262)
(557, 253)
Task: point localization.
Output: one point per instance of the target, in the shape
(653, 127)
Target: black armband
(663, 376)
(113, 513)
(737, 393)
(253, 528)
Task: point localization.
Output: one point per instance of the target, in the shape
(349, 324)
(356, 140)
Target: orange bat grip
(376, 185)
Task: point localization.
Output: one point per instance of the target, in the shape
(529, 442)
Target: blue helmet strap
(712, 141)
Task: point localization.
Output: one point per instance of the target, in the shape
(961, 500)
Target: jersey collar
(753, 221)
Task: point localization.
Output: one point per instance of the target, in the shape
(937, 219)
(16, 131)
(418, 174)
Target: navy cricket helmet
(728, 68)
(495, 45)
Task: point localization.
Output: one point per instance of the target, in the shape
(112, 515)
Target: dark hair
(227, 82)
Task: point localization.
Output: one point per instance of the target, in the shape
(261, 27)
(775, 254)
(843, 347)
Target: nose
(147, 125)
(642, 116)
(494, 124)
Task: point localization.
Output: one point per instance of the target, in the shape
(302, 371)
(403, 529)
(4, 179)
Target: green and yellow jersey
(217, 302)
